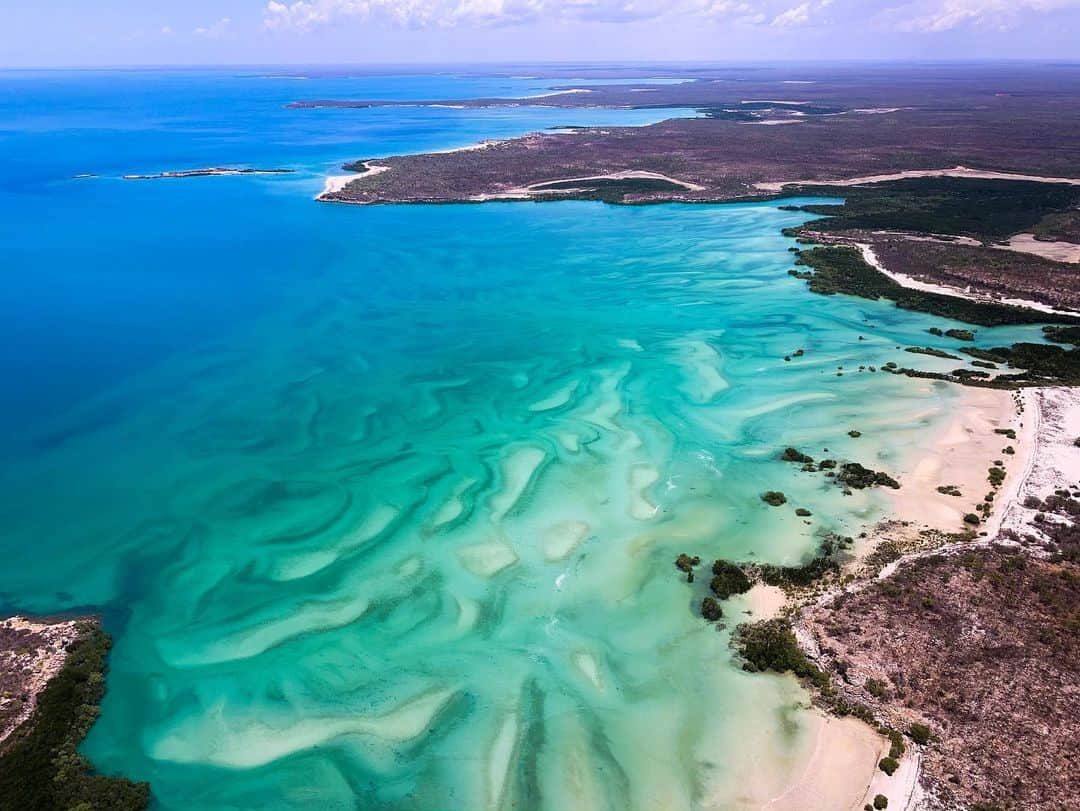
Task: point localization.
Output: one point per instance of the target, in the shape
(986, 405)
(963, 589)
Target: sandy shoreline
(956, 171)
(1044, 458)
(334, 184)
(871, 259)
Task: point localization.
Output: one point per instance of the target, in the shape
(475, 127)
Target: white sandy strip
(902, 788)
(1052, 418)
(1054, 251)
(337, 183)
(959, 455)
(554, 93)
(957, 171)
(927, 287)
(840, 770)
(526, 192)
(772, 101)
(773, 122)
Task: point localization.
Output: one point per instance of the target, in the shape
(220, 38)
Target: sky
(47, 33)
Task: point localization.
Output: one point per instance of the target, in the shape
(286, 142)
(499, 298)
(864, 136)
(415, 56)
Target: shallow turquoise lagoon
(381, 503)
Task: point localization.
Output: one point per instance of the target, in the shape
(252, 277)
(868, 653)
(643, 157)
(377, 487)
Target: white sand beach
(871, 259)
(337, 183)
(956, 171)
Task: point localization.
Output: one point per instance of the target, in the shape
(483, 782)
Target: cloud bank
(921, 16)
(307, 14)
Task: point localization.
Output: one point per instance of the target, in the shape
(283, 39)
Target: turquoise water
(381, 503)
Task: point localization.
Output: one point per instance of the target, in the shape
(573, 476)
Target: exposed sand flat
(555, 93)
(560, 540)
(629, 174)
(871, 259)
(306, 562)
(557, 398)
(839, 772)
(337, 183)
(487, 559)
(1052, 460)
(518, 470)
(586, 663)
(525, 192)
(454, 506)
(703, 370)
(775, 122)
(1054, 251)
(764, 602)
(502, 755)
(263, 633)
(961, 456)
(642, 478)
(238, 743)
(957, 171)
(467, 148)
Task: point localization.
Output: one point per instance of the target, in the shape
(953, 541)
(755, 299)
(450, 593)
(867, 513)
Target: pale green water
(406, 541)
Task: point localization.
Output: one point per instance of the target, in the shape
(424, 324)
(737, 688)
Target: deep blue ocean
(380, 503)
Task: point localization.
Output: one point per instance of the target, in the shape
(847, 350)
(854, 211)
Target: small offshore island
(939, 645)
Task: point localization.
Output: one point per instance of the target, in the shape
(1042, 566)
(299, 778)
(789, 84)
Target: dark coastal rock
(794, 455)
(774, 498)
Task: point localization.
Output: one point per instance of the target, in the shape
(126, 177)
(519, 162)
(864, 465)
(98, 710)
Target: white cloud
(946, 15)
(799, 15)
(214, 30)
(166, 30)
(308, 14)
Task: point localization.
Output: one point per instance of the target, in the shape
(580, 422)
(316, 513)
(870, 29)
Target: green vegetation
(854, 475)
(949, 490)
(42, 769)
(1062, 335)
(687, 563)
(711, 610)
(889, 765)
(984, 209)
(843, 270)
(771, 645)
(774, 498)
(822, 564)
(876, 688)
(793, 455)
(880, 802)
(960, 334)
(929, 350)
(728, 579)
(1062, 226)
(920, 733)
